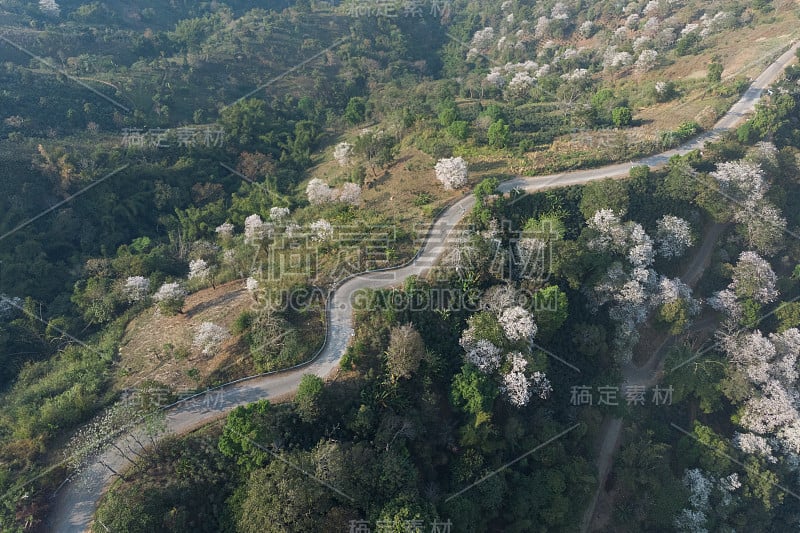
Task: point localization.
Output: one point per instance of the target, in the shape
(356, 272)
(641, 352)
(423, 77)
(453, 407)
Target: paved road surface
(75, 504)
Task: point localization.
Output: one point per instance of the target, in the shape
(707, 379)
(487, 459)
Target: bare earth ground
(144, 354)
(394, 190)
(744, 54)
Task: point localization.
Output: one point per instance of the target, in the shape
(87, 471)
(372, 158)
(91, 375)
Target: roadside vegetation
(194, 207)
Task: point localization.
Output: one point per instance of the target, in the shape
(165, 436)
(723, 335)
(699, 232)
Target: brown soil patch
(396, 192)
(158, 347)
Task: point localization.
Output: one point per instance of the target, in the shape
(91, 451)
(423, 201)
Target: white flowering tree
(673, 236)
(743, 182)
(630, 286)
(542, 27)
(170, 298)
(694, 518)
(520, 84)
(209, 336)
(725, 301)
(225, 231)
(49, 7)
(255, 229)
(586, 29)
(452, 172)
(498, 297)
(278, 214)
(496, 79)
(762, 226)
(251, 284)
(318, 192)
(517, 323)
(343, 153)
(501, 327)
(754, 444)
(516, 385)
(754, 278)
(483, 354)
(771, 407)
(647, 60)
(321, 230)
(708, 495)
(136, 288)
(481, 41)
(614, 59)
(350, 193)
(199, 270)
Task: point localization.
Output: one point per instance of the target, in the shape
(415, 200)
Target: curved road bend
(73, 510)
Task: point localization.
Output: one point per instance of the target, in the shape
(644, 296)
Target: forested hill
(151, 153)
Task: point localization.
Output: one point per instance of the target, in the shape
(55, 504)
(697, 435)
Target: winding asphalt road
(74, 507)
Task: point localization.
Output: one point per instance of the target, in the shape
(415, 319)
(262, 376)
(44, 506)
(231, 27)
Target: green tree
(191, 32)
(590, 340)
(481, 211)
(473, 391)
(694, 380)
(621, 116)
(604, 194)
(788, 315)
(448, 115)
(459, 129)
(551, 309)
(244, 435)
(687, 44)
(309, 396)
(498, 134)
(715, 69)
(356, 110)
(278, 498)
(377, 149)
(245, 120)
(673, 316)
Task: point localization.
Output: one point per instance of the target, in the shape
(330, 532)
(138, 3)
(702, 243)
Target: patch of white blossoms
(199, 270)
(319, 192)
(518, 387)
(517, 323)
(483, 354)
(209, 336)
(771, 407)
(452, 172)
(256, 229)
(170, 292)
(225, 230)
(673, 236)
(702, 486)
(136, 288)
(321, 230)
(277, 214)
(343, 153)
(251, 284)
(754, 278)
(49, 7)
(630, 286)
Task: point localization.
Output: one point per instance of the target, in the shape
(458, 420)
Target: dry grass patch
(158, 347)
